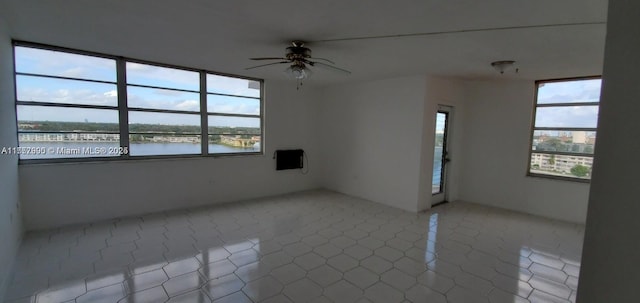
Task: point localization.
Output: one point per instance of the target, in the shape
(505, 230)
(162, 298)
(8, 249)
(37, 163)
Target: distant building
(558, 163)
(175, 139)
(238, 141)
(66, 137)
(565, 136)
(580, 137)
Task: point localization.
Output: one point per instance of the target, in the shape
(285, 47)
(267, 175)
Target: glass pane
(41, 89)
(567, 116)
(61, 119)
(69, 145)
(144, 74)
(232, 86)
(53, 63)
(164, 144)
(561, 165)
(233, 105)
(144, 122)
(221, 125)
(436, 183)
(225, 144)
(162, 99)
(564, 141)
(569, 91)
(41, 121)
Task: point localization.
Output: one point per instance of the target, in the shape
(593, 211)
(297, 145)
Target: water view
(58, 150)
(437, 167)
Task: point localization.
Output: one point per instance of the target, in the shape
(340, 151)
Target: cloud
(75, 72)
(73, 96)
(162, 99)
(240, 108)
(145, 74)
(567, 116)
(231, 86)
(190, 105)
(111, 93)
(138, 67)
(167, 92)
(47, 62)
(233, 121)
(54, 63)
(570, 92)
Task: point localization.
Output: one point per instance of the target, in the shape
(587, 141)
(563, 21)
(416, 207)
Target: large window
(564, 128)
(77, 105)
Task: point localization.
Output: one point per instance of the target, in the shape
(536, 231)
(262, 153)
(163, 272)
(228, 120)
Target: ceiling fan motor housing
(299, 57)
(298, 51)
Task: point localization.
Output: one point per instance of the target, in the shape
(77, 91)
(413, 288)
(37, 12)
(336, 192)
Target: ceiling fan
(299, 58)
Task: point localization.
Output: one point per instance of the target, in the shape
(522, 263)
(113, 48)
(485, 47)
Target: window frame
(533, 129)
(123, 110)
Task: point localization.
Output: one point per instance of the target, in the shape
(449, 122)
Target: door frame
(443, 195)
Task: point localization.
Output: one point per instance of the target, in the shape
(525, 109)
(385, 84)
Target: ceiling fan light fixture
(299, 59)
(503, 65)
(298, 72)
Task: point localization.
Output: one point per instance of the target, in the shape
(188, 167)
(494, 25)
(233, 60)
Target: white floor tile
(288, 273)
(398, 279)
(324, 275)
(303, 290)
(150, 295)
(263, 288)
(316, 246)
(343, 291)
(184, 283)
(361, 277)
(383, 293)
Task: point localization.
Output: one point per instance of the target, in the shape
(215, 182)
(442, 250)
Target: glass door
(440, 157)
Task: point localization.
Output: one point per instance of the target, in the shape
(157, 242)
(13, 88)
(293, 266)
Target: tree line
(55, 126)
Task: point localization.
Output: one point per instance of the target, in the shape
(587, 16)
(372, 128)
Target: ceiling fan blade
(330, 67)
(323, 59)
(281, 62)
(268, 58)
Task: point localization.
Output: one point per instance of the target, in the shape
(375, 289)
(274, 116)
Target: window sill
(559, 178)
(105, 160)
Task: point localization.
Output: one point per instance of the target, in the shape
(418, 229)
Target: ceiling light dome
(504, 65)
(298, 72)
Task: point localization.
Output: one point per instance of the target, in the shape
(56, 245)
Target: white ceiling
(222, 35)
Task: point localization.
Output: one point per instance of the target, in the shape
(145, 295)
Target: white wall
(370, 138)
(10, 217)
(609, 271)
(377, 143)
(496, 132)
(61, 194)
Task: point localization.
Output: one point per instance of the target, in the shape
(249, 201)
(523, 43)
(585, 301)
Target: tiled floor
(308, 247)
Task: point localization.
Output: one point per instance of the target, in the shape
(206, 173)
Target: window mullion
(204, 119)
(123, 113)
(568, 104)
(552, 128)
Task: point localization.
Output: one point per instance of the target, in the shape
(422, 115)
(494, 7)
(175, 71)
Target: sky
(37, 61)
(568, 92)
(440, 121)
